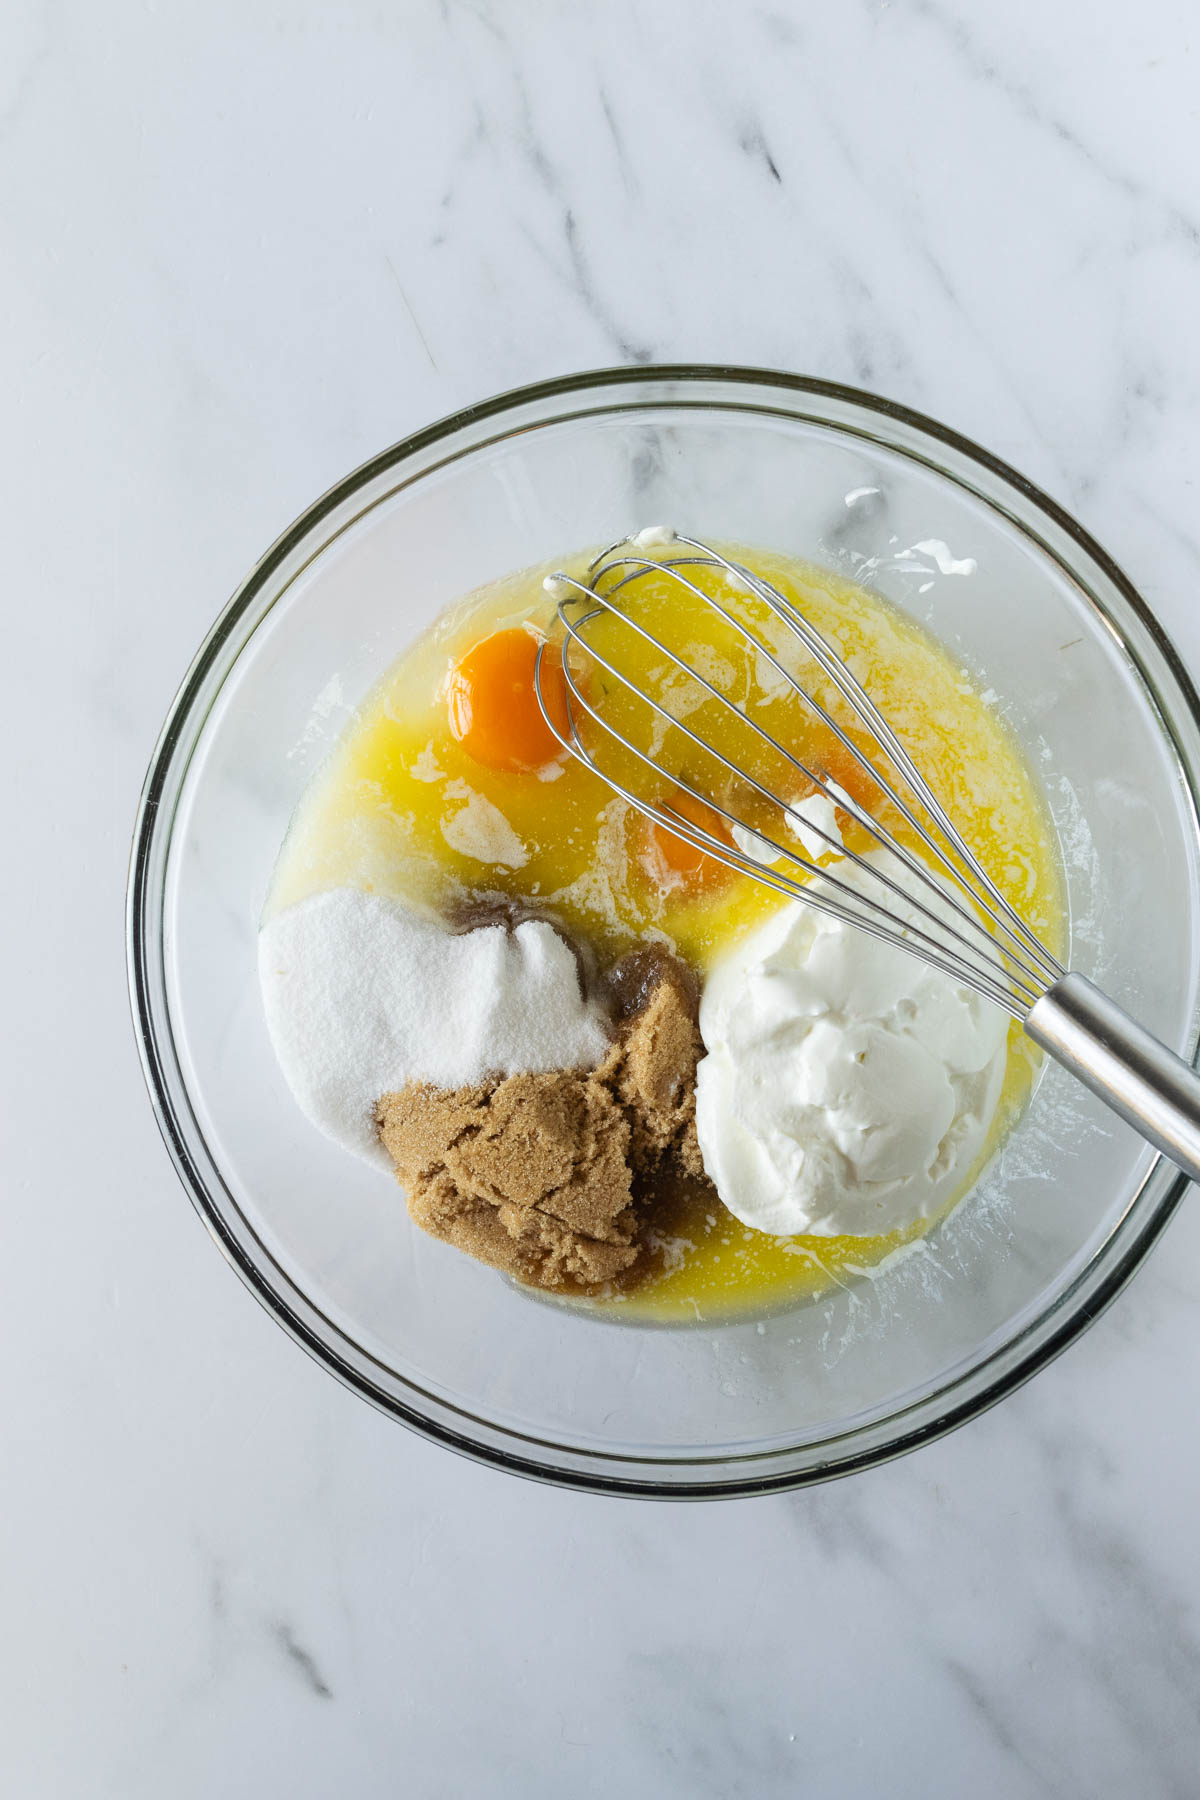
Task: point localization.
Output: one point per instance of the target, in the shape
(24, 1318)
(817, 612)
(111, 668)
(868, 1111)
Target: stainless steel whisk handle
(1144, 1082)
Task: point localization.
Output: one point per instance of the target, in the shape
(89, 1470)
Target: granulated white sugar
(363, 995)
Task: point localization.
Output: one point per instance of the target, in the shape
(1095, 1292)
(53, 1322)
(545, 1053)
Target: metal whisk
(940, 906)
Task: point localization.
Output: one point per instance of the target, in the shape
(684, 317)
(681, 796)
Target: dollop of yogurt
(812, 822)
(654, 537)
(847, 1088)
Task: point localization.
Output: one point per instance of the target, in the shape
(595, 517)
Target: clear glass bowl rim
(963, 1397)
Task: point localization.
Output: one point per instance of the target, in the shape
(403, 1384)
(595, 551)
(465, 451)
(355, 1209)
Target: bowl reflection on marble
(1083, 675)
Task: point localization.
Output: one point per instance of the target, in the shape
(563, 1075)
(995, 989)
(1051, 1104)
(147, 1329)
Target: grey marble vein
(984, 66)
(625, 163)
(754, 143)
(300, 1659)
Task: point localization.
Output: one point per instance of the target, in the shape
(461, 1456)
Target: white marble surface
(245, 244)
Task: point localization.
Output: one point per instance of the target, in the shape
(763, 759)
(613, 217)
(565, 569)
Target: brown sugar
(549, 1176)
(530, 1174)
(652, 1067)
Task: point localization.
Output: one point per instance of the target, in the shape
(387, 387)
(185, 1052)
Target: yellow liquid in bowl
(403, 809)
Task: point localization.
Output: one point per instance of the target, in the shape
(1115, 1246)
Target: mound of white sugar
(363, 995)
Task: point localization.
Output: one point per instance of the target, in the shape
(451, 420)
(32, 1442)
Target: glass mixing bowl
(1033, 607)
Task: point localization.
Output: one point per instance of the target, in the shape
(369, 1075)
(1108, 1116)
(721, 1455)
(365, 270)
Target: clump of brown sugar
(530, 1174)
(652, 1067)
(549, 1176)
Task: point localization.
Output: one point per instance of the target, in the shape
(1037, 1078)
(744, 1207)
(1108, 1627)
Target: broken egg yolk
(672, 860)
(492, 704)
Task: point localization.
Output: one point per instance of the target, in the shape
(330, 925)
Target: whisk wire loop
(1003, 959)
(869, 714)
(1022, 941)
(972, 931)
(986, 965)
(880, 924)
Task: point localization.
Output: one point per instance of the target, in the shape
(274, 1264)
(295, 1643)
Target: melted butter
(401, 808)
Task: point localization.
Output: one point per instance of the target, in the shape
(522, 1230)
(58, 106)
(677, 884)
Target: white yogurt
(846, 1089)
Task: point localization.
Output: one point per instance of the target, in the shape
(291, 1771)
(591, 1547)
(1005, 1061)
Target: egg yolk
(843, 769)
(672, 860)
(493, 706)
